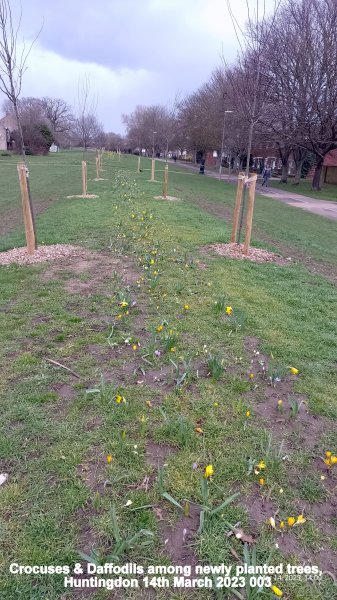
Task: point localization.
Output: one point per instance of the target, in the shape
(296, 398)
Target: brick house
(330, 167)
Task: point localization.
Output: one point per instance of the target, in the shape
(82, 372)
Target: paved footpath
(324, 208)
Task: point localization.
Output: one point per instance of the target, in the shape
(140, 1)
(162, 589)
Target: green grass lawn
(166, 382)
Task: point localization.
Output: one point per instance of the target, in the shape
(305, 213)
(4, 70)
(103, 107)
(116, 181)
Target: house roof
(330, 159)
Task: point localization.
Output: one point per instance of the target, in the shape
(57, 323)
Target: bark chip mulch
(20, 256)
(255, 254)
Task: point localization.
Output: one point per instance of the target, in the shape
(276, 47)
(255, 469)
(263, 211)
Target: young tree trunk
(298, 173)
(316, 182)
(285, 169)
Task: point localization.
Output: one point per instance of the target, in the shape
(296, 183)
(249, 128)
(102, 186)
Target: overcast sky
(135, 51)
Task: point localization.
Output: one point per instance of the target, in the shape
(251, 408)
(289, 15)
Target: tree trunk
(18, 122)
(316, 182)
(298, 173)
(285, 169)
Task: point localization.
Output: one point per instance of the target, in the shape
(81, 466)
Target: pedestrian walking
(266, 175)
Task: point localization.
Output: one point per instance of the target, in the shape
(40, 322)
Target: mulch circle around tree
(20, 256)
(257, 255)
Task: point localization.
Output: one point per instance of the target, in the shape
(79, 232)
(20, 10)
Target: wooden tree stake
(165, 182)
(250, 211)
(237, 207)
(84, 178)
(97, 167)
(138, 168)
(27, 208)
(152, 169)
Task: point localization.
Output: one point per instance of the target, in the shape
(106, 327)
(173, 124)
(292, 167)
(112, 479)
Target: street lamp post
(153, 143)
(222, 141)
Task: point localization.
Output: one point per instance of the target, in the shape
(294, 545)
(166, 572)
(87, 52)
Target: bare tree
(12, 64)
(249, 78)
(12, 67)
(86, 125)
(302, 58)
(59, 115)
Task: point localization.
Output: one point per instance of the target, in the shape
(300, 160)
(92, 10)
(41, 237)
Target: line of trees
(282, 90)
(45, 121)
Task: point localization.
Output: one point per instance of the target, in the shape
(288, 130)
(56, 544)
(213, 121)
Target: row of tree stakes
(244, 183)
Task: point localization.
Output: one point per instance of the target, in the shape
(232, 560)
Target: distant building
(330, 167)
(7, 126)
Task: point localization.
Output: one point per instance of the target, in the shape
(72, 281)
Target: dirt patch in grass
(177, 539)
(92, 471)
(299, 432)
(260, 510)
(156, 454)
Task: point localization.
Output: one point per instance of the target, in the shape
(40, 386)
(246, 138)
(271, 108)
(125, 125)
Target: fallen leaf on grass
(240, 535)
(243, 537)
(159, 513)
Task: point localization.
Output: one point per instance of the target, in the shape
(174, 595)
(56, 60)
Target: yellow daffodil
(142, 419)
(280, 403)
(300, 520)
(215, 403)
(291, 521)
(119, 317)
(282, 524)
(159, 328)
(261, 481)
(293, 371)
(261, 465)
(124, 303)
(271, 522)
(248, 413)
(148, 403)
(172, 349)
(199, 430)
(151, 261)
(276, 591)
(209, 471)
(134, 347)
(109, 458)
(229, 310)
(120, 399)
(333, 460)
(251, 375)
(186, 306)
(328, 454)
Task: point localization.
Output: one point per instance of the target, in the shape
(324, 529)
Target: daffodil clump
(330, 459)
(286, 524)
